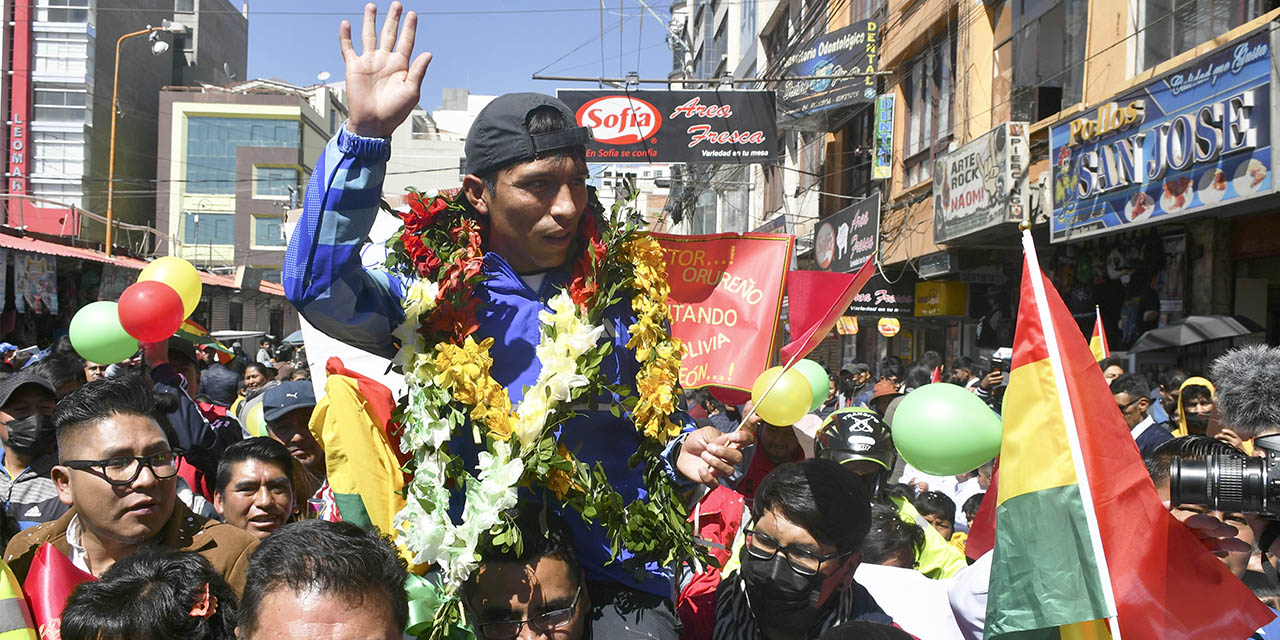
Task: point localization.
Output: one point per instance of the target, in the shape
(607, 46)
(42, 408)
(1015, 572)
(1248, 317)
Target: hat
(183, 348)
(219, 383)
(11, 384)
(286, 397)
(500, 135)
(854, 433)
(884, 388)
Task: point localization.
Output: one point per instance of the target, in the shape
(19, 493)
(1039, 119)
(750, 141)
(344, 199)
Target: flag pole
(1073, 437)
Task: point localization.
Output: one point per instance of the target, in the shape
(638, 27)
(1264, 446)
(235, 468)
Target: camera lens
(1222, 483)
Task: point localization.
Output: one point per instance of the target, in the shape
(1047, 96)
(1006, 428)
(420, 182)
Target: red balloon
(150, 311)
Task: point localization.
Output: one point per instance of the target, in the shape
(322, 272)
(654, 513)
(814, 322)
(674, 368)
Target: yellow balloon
(255, 422)
(179, 274)
(787, 401)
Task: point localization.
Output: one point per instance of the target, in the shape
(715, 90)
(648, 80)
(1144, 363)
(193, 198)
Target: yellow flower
(559, 481)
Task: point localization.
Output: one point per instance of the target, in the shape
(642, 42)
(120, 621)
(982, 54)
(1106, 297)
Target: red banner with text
(726, 294)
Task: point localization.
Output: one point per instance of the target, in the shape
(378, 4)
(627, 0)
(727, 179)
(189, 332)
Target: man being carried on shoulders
(526, 181)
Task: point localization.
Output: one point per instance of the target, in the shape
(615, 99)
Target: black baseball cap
(500, 135)
(285, 397)
(11, 384)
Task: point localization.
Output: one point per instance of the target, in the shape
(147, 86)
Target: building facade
(60, 59)
(233, 161)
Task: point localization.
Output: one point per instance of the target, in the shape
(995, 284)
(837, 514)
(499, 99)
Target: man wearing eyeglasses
(796, 581)
(118, 474)
(540, 592)
(1132, 393)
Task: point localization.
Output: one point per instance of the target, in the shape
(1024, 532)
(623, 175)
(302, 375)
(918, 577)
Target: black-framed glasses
(123, 470)
(805, 563)
(548, 623)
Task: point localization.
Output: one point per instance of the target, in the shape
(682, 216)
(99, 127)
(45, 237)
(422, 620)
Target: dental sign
(1196, 139)
(723, 126)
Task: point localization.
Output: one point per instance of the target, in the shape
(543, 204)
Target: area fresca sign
(982, 184)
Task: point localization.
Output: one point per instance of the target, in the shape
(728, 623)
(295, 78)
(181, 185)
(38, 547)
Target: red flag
(49, 583)
(982, 531)
(815, 301)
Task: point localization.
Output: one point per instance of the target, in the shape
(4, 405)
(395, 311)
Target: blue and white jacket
(324, 278)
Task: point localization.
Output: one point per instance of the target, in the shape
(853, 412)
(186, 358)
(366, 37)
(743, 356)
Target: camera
(1230, 483)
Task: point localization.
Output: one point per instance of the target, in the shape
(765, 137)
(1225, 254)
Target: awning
(45, 247)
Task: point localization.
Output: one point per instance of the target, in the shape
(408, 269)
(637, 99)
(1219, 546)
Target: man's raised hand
(382, 86)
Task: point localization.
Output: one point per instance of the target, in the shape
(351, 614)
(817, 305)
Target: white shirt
(968, 595)
(917, 604)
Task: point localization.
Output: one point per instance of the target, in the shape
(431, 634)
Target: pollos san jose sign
(1193, 140)
(677, 126)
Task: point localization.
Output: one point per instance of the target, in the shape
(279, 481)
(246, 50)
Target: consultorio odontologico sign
(1196, 139)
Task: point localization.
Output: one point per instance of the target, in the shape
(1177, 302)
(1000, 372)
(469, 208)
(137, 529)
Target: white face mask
(1124, 278)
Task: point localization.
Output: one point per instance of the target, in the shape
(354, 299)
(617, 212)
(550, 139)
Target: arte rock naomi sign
(723, 126)
(1196, 139)
(982, 184)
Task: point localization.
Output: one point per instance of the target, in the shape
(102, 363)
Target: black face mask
(32, 435)
(779, 595)
(1197, 423)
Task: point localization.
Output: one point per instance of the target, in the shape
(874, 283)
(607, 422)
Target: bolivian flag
(1084, 548)
(1098, 343)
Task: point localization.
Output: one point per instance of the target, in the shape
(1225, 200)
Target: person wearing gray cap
(526, 179)
(26, 430)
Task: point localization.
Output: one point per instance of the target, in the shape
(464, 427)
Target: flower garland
(451, 391)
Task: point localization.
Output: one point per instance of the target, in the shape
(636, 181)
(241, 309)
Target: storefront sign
(889, 327)
(1196, 139)
(942, 298)
(850, 50)
(847, 325)
(882, 163)
(883, 298)
(723, 126)
(776, 225)
(726, 294)
(846, 239)
(982, 184)
(35, 280)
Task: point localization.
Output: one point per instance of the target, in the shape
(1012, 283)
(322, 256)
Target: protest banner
(726, 294)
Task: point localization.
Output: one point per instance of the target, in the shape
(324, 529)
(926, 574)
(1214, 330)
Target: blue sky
(488, 53)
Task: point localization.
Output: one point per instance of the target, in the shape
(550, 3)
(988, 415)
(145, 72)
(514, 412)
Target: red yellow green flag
(1084, 547)
(1098, 343)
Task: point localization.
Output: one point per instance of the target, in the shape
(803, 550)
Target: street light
(158, 47)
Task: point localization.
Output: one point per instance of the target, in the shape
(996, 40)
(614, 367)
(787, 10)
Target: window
(63, 11)
(748, 24)
(184, 6)
(1171, 27)
(208, 228)
(63, 53)
(704, 213)
(773, 189)
(811, 155)
(274, 182)
(67, 194)
(736, 200)
(57, 154)
(56, 104)
(212, 143)
(266, 231)
(1047, 56)
(927, 85)
(1002, 71)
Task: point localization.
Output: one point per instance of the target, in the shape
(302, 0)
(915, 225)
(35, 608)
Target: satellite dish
(323, 75)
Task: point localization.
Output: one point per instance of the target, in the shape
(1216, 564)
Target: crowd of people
(153, 479)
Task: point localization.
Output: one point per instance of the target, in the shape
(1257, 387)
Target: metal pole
(111, 153)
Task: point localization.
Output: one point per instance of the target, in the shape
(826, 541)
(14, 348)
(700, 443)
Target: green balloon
(944, 429)
(818, 380)
(97, 335)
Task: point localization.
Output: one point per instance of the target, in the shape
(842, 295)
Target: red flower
(428, 263)
(413, 246)
(456, 322)
(421, 215)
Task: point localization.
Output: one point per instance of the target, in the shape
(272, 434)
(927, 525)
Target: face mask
(779, 595)
(1197, 423)
(31, 435)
